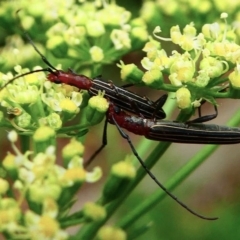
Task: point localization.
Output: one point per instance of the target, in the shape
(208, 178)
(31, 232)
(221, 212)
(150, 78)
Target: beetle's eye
(57, 81)
(116, 109)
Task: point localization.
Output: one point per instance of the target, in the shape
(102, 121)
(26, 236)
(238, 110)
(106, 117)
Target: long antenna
(25, 74)
(125, 136)
(32, 43)
(50, 68)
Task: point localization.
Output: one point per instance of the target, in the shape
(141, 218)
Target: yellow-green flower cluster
(200, 67)
(32, 101)
(86, 33)
(181, 11)
(45, 186)
(94, 35)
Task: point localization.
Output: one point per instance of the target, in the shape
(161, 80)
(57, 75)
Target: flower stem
(181, 175)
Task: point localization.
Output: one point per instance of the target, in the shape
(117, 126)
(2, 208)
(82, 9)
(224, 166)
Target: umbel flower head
(95, 32)
(44, 185)
(200, 68)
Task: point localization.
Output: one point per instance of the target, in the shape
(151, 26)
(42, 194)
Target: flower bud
(212, 66)
(4, 186)
(72, 176)
(234, 78)
(54, 121)
(50, 206)
(9, 211)
(94, 175)
(206, 30)
(153, 78)
(130, 72)
(38, 192)
(97, 54)
(120, 39)
(36, 11)
(94, 212)
(96, 109)
(23, 120)
(121, 174)
(202, 79)
(43, 137)
(175, 34)
(151, 48)
(139, 36)
(184, 69)
(183, 97)
(69, 108)
(74, 148)
(123, 169)
(110, 233)
(189, 29)
(10, 165)
(43, 133)
(49, 227)
(174, 80)
(12, 136)
(148, 11)
(95, 28)
(23, 94)
(57, 45)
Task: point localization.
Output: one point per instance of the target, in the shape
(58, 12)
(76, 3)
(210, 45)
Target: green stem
(155, 198)
(72, 222)
(181, 175)
(78, 127)
(89, 231)
(25, 143)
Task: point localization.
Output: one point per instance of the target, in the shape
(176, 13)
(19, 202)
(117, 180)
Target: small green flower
(151, 48)
(153, 78)
(43, 227)
(68, 107)
(43, 133)
(96, 53)
(74, 148)
(23, 120)
(96, 109)
(122, 173)
(183, 70)
(113, 15)
(95, 28)
(4, 186)
(9, 162)
(183, 97)
(12, 136)
(148, 11)
(22, 94)
(94, 211)
(202, 79)
(123, 169)
(75, 173)
(130, 72)
(53, 121)
(213, 66)
(58, 102)
(109, 233)
(40, 190)
(50, 207)
(120, 39)
(10, 214)
(234, 77)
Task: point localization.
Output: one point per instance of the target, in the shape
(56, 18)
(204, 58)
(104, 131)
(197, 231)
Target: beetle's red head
(56, 77)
